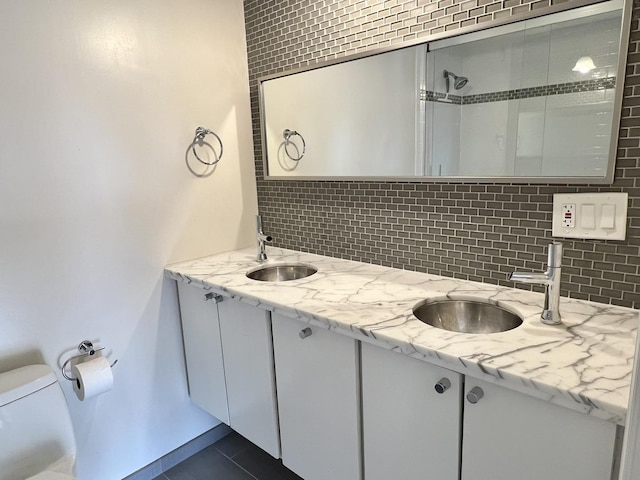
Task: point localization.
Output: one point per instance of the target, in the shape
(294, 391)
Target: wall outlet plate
(569, 215)
(598, 216)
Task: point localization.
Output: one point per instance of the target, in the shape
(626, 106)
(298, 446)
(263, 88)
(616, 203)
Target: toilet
(35, 426)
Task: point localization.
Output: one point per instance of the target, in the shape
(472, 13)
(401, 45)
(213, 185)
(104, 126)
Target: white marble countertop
(584, 364)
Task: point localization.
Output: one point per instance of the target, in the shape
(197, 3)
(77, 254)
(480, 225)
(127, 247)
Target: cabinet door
(248, 362)
(508, 435)
(318, 401)
(203, 351)
(410, 431)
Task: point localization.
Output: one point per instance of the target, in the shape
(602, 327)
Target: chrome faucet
(551, 280)
(262, 240)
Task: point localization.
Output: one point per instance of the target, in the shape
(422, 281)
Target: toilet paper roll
(93, 377)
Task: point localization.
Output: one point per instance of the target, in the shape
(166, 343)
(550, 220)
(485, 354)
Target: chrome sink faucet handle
(550, 278)
(262, 240)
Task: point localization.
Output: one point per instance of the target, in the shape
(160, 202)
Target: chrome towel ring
(287, 134)
(202, 132)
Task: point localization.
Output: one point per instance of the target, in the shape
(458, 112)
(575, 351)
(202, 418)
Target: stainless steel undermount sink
(466, 316)
(281, 272)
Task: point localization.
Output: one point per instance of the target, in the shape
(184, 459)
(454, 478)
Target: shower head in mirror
(458, 81)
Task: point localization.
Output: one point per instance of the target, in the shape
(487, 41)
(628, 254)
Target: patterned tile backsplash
(521, 93)
(473, 231)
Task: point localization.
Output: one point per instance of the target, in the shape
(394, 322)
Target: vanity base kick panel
(318, 400)
(508, 435)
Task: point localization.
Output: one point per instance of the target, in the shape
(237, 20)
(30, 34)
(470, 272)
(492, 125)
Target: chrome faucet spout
(529, 277)
(550, 278)
(262, 240)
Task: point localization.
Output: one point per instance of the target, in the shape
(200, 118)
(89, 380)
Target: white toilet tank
(36, 434)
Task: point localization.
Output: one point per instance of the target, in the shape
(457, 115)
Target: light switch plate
(599, 216)
(588, 216)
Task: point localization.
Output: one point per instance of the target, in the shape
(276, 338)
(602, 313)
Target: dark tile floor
(230, 458)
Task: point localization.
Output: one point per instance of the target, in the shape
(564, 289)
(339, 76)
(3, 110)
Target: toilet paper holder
(86, 349)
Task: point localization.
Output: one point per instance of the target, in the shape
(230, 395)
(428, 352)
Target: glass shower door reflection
(529, 107)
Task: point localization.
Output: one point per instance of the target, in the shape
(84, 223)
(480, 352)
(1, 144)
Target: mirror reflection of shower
(458, 81)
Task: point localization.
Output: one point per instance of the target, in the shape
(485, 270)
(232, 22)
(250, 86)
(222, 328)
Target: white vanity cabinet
(317, 377)
(248, 364)
(203, 351)
(351, 411)
(229, 353)
(509, 435)
(411, 414)
(487, 431)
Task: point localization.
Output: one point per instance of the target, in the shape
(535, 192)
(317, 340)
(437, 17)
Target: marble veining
(584, 364)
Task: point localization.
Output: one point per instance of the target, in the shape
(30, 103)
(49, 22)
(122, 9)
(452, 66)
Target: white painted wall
(99, 103)
(630, 462)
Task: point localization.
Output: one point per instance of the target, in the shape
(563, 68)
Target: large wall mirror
(534, 101)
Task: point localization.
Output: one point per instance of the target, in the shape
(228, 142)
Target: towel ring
(287, 134)
(202, 132)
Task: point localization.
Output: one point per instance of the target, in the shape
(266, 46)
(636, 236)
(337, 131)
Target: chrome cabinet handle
(474, 395)
(443, 385)
(305, 332)
(213, 296)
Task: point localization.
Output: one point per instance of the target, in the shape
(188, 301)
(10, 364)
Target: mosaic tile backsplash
(521, 93)
(473, 231)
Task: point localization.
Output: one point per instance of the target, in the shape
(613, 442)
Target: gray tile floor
(230, 458)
